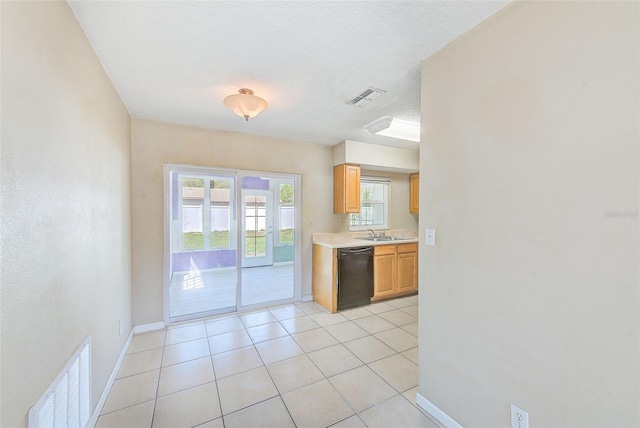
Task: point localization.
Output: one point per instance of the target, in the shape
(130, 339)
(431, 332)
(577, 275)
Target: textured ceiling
(174, 61)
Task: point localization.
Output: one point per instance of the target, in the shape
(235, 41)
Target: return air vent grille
(67, 403)
(366, 96)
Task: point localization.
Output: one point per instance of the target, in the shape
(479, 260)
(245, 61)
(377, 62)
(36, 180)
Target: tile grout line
(215, 377)
(306, 354)
(375, 373)
(325, 378)
(399, 393)
(364, 364)
(279, 322)
(273, 381)
(155, 401)
(290, 334)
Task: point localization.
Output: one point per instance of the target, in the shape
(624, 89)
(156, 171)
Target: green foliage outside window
(199, 182)
(286, 193)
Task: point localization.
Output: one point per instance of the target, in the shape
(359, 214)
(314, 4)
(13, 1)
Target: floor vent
(67, 402)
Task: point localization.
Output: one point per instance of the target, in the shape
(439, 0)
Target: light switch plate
(430, 237)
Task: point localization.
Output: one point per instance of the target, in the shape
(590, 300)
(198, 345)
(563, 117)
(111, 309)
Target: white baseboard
(436, 412)
(307, 298)
(112, 378)
(148, 327)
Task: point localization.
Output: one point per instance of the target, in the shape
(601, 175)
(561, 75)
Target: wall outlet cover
(519, 418)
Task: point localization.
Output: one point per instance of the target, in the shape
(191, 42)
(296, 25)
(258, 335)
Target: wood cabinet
(395, 270)
(414, 193)
(324, 281)
(346, 189)
(395, 273)
(407, 268)
(384, 270)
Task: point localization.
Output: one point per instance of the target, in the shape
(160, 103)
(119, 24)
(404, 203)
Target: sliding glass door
(219, 261)
(203, 263)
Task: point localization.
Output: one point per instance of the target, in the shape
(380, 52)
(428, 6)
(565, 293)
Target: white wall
(65, 232)
(155, 143)
(530, 143)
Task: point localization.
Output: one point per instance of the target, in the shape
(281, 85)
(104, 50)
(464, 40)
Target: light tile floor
(287, 366)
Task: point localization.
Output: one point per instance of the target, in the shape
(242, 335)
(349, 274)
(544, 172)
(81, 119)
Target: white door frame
(168, 168)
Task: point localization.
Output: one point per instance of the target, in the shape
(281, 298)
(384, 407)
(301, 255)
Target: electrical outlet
(120, 326)
(519, 418)
(309, 223)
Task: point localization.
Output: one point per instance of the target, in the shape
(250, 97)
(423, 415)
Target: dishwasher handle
(346, 252)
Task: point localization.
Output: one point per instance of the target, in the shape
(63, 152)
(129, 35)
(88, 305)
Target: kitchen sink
(383, 238)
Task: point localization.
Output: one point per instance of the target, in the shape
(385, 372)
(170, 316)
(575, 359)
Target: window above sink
(374, 205)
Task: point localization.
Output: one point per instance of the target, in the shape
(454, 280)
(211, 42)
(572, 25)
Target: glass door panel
(203, 256)
(257, 228)
(268, 270)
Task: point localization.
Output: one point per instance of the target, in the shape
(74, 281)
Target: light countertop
(350, 239)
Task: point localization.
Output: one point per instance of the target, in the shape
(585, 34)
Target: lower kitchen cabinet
(324, 283)
(395, 270)
(384, 271)
(407, 271)
(395, 273)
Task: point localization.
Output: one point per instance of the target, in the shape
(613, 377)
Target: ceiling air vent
(366, 96)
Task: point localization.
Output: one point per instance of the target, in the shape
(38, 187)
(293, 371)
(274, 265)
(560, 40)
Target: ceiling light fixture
(245, 104)
(395, 128)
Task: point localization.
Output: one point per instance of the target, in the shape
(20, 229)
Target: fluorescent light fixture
(395, 128)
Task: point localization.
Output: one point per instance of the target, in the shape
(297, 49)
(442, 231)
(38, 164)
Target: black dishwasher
(355, 277)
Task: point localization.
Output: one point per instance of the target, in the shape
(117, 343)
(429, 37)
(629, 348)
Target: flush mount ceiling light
(395, 128)
(245, 104)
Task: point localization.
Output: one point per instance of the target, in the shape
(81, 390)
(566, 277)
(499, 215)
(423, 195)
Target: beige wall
(530, 143)
(65, 233)
(374, 156)
(155, 143)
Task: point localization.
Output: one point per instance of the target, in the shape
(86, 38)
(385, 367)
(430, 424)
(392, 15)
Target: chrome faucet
(373, 234)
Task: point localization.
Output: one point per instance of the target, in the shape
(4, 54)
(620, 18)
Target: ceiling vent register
(366, 96)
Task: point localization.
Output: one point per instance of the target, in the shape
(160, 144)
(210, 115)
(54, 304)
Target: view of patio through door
(232, 241)
(257, 208)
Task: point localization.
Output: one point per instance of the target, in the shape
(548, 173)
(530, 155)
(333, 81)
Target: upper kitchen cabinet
(349, 156)
(414, 193)
(346, 189)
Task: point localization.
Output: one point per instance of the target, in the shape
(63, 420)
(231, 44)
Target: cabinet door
(384, 275)
(414, 193)
(346, 189)
(407, 272)
(352, 193)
